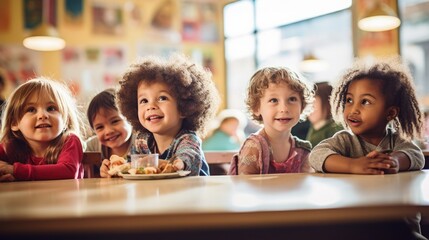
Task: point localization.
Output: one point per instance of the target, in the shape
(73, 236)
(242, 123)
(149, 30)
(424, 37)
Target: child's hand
(5, 168)
(7, 178)
(167, 166)
(104, 169)
(390, 159)
(373, 163)
(178, 164)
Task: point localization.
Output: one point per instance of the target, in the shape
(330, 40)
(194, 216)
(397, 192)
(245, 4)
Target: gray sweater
(347, 144)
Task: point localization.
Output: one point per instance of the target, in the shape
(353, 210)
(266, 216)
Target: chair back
(91, 164)
(219, 161)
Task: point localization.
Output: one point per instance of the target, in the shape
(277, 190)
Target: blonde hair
(260, 81)
(14, 110)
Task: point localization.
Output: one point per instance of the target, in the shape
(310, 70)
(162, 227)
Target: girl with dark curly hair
(169, 102)
(376, 103)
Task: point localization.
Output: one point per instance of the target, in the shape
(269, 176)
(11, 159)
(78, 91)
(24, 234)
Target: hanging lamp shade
(312, 64)
(44, 37)
(380, 18)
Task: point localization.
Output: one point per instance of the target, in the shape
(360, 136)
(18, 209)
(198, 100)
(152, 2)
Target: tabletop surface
(274, 197)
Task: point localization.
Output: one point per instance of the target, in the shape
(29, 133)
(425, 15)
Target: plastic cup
(144, 160)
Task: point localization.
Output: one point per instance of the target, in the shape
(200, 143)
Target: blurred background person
(322, 125)
(227, 131)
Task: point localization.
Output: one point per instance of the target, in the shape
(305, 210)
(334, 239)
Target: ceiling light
(44, 37)
(312, 64)
(380, 18)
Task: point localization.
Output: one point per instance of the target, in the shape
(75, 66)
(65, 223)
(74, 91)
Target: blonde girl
(40, 133)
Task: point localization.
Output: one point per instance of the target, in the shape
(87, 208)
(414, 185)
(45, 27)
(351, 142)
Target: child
(113, 132)
(322, 124)
(169, 103)
(40, 133)
(227, 131)
(368, 99)
(278, 98)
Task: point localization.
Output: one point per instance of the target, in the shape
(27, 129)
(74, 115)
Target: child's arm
(373, 163)
(188, 154)
(68, 165)
(6, 171)
(415, 160)
(248, 158)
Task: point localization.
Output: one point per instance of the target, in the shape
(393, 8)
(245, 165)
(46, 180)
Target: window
(280, 33)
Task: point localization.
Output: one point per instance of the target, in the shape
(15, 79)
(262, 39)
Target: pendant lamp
(312, 64)
(44, 37)
(380, 18)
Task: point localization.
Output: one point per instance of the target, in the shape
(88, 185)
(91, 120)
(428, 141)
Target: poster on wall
(18, 64)
(163, 24)
(90, 70)
(200, 22)
(203, 57)
(107, 20)
(73, 13)
(5, 11)
(145, 48)
(375, 44)
(37, 11)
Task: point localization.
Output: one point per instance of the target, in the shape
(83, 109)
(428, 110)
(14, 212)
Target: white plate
(155, 176)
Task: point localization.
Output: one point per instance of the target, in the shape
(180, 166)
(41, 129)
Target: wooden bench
(219, 161)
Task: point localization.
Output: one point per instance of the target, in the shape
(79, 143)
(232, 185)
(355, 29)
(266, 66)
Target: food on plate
(168, 168)
(118, 165)
(164, 166)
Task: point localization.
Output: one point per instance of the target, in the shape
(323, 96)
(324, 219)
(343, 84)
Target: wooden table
(90, 206)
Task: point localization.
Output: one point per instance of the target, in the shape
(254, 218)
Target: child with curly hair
(278, 98)
(169, 102)
(376, 104)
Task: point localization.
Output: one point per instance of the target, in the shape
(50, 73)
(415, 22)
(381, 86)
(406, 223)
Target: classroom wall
(136, 34)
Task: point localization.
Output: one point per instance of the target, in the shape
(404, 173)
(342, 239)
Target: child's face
(280, 108)
(112, 129)
(41, 123)
(157, 109)
(365, 110)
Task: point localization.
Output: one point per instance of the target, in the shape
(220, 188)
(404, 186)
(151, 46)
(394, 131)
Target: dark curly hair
(191, 84)
(261, 79)
(396, 85)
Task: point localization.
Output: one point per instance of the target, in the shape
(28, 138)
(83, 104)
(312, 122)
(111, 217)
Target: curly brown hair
(191, 84)
(263, 77)
(396, 85)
